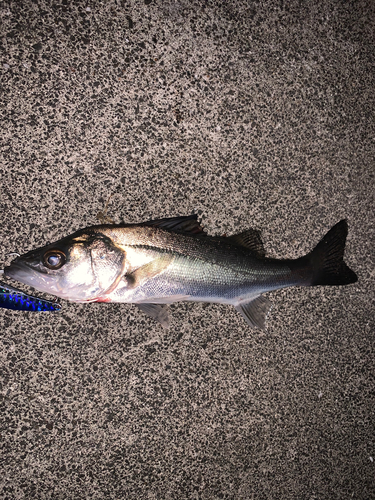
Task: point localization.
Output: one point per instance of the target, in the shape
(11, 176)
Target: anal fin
(255, 312)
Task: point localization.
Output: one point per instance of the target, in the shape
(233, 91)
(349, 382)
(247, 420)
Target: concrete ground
(251, 114)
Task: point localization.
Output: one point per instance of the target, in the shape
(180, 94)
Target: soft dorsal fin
(186, 224)
(251, 240)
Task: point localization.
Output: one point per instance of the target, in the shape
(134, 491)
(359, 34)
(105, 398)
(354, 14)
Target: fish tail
(327, 259)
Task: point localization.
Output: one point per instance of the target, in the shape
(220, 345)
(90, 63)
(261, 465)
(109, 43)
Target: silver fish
(170, 260)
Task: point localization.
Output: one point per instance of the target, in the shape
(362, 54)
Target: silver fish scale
(193, 279)
(208, 249)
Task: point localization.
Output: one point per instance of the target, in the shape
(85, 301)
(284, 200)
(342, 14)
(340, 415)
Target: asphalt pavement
(253, 115)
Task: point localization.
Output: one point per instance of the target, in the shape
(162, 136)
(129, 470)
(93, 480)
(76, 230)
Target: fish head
(82, 267)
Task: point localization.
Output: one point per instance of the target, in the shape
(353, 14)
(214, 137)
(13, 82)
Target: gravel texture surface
(251, 114)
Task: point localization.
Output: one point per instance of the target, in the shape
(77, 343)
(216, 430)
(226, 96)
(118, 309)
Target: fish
(163, 261)
(12, 298)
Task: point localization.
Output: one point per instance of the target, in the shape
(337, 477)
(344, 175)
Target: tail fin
(327, 261)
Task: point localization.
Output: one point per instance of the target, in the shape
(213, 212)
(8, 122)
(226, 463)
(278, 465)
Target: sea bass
(170, 260)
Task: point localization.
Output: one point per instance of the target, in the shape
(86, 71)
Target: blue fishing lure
(11, 298)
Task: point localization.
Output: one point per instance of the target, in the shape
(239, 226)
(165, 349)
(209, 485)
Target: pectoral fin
(255, 312)
(148, 271)
(156, 311)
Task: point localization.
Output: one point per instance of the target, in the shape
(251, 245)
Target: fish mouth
(21, 272)
(16, 271)
(42, 281)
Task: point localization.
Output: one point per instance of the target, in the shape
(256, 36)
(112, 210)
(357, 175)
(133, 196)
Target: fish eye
(54, 259)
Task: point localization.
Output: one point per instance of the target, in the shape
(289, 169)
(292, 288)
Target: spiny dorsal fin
(186, 224)
(251, 240)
